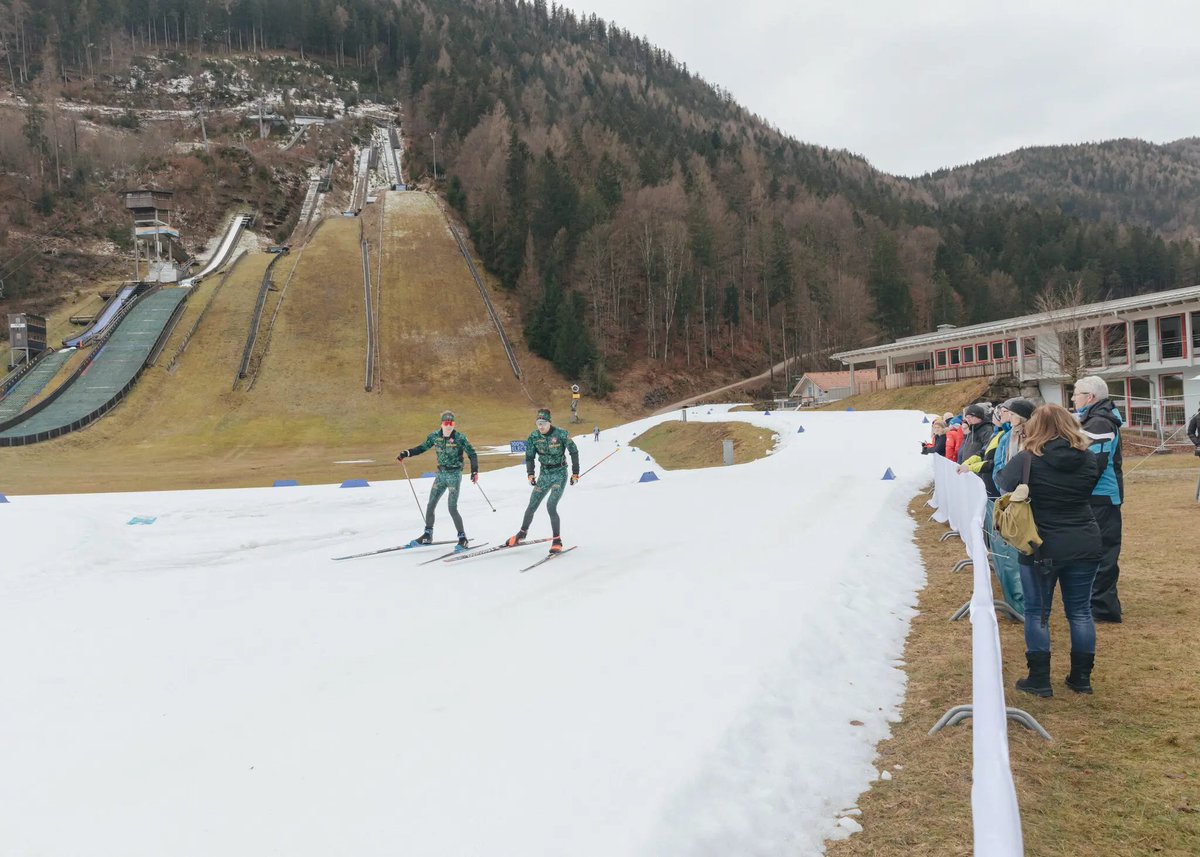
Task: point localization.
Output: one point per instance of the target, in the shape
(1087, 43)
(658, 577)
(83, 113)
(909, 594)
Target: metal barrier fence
(961, 501)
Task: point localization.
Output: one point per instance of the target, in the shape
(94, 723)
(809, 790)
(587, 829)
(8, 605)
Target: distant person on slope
(450, 444)
(551, 445)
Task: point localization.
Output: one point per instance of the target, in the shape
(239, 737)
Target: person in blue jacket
(1101, 421)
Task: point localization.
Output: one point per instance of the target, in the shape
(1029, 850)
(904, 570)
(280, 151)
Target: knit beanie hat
(1021, 406)
(544, 414)
(979, 409)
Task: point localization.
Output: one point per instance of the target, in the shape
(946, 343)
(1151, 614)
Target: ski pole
(414, 490)
(598, 463)
(485, 496)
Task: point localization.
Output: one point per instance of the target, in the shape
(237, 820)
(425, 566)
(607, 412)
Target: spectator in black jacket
(937, 443)
(1101, 421)
(1062, 474)
(977, 430)
(1193, 431)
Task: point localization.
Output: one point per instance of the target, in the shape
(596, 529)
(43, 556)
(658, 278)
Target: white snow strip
(682, 684)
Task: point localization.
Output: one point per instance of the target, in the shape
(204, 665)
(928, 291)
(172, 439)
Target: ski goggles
(541, 423)
(447, 423)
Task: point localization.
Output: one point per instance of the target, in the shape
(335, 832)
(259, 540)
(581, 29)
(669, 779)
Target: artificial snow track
(684, 686)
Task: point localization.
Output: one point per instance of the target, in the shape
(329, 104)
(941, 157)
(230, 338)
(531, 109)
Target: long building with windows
(1146, 347)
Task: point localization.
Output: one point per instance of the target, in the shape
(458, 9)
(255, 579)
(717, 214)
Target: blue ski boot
(462, 543)
(424, 539)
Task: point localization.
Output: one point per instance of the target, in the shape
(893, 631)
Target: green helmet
(447, 416)
(544, 414)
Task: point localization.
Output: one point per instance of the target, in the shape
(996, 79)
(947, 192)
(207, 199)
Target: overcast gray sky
(923, 84)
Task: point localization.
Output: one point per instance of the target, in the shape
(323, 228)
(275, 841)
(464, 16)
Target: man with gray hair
(1102, 421)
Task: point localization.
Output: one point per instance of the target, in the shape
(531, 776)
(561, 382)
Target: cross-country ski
(413, 545)
(549, 557)
(456, 552)
(478, 553)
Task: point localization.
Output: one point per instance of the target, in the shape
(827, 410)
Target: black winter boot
(1038, 681)
(1080, 678)
(462, 540)
(425, 538)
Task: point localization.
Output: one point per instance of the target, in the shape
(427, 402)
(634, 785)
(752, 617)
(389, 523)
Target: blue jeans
(1005, 560)
(1076, 579)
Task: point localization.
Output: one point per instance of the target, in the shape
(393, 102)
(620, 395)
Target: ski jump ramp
(224, 250)
(105, 318)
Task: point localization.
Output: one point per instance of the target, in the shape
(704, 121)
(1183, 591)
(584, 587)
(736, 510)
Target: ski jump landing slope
(708, 674)
(114, 366)
(34, 381)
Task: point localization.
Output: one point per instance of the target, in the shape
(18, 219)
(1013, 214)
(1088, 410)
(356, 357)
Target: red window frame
(955, 357)
(992, 346)
(941, 359)
(967, 359)
(1010, 347)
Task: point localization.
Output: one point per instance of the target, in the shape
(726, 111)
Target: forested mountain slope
(651, 227)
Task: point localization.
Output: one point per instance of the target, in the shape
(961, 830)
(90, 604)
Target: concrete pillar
(853, 385)
(727, 450)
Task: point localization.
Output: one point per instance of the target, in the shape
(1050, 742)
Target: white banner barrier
(961, 500)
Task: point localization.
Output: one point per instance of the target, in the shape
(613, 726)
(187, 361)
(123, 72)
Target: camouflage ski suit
(552, 448)
(450, 452)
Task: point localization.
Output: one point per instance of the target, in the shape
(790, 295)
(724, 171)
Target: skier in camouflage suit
(551, 445)
(450, 445)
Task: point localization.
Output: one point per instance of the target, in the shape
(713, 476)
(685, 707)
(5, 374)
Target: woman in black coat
(1062, 475)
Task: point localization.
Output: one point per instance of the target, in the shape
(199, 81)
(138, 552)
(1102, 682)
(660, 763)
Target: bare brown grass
(1122, 775)
(933, 399)
(677, 445)
(308, 409)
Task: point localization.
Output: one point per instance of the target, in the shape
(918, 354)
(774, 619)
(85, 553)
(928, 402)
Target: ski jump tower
(154, 238)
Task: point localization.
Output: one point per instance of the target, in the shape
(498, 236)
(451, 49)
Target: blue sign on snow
(516, 446)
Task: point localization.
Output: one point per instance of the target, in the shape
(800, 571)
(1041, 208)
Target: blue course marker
(285, 483)
(800, 430)
(888, 474)
(649, 476)
(849, 409)
(3, 499)
(142, 519)
(355, 483)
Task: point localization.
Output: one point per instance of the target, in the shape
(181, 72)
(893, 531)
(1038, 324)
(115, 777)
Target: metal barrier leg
(962, 563)
(1026, 719)
(953, 534)
(953, 717)
(959, 713)
(1001, 607)
(1004, 607)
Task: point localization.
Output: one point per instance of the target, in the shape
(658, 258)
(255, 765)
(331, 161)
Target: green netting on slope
(116, 363)
(32, 383)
